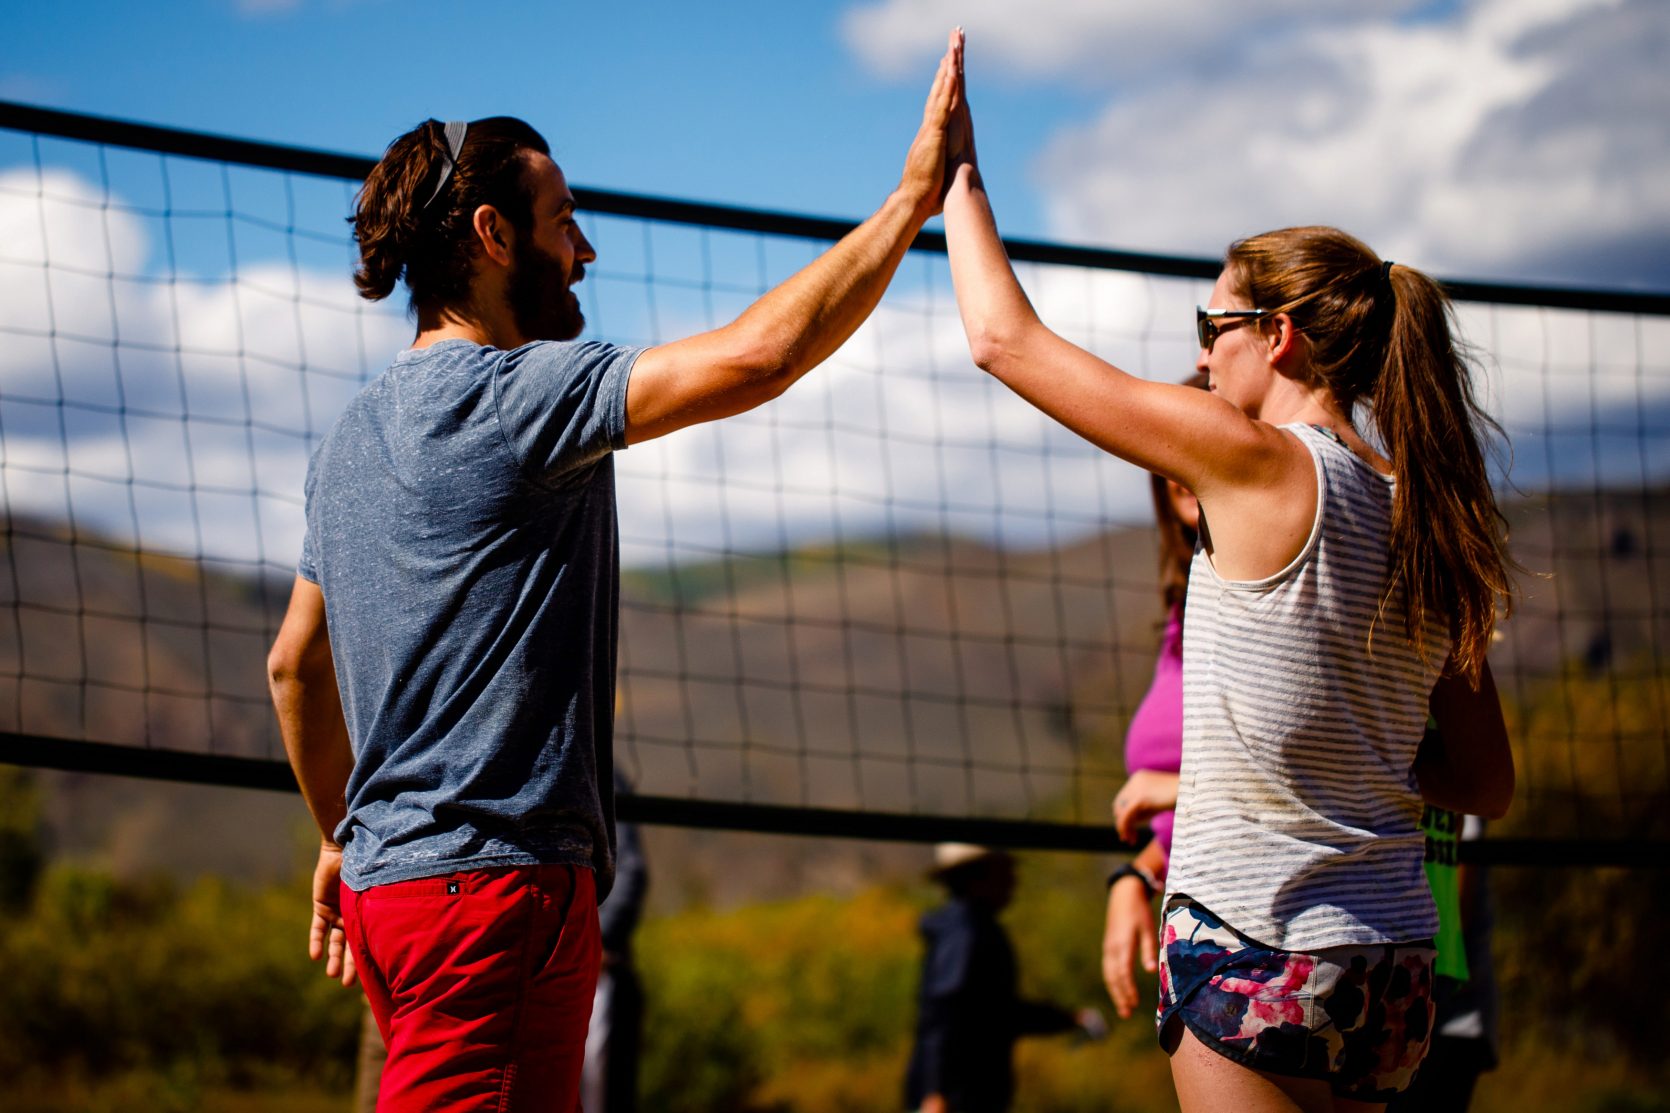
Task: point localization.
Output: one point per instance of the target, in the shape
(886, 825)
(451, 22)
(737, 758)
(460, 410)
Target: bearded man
(444, 676)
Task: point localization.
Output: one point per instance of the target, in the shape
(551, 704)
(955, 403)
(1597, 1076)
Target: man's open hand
(927, 161)
(328, 938)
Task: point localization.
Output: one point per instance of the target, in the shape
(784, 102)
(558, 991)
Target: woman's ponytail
(1447, 541)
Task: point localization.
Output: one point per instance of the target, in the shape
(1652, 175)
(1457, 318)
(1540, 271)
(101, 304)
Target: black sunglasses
(1207, 329)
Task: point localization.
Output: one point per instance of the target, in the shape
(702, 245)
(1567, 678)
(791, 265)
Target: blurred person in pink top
(1153, 751)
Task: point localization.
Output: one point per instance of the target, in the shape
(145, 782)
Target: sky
(1519, 140)
(1522, 140)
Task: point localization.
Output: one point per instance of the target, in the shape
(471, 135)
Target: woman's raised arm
(1185, 434)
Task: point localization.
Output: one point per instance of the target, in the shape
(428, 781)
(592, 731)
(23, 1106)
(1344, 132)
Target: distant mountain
(922, 674)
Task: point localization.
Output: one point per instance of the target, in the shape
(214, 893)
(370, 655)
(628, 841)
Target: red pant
(481, 983)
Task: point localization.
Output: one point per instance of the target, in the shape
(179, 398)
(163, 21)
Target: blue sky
(1515, 139)
(763, 107)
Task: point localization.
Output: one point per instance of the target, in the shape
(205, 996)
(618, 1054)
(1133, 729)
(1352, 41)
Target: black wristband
(1130, 870)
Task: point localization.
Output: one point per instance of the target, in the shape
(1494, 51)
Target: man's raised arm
(800, 323)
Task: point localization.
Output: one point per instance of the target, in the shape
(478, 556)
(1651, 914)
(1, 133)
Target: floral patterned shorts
(1359, 1017)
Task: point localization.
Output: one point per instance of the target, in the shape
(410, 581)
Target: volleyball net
(896, 602)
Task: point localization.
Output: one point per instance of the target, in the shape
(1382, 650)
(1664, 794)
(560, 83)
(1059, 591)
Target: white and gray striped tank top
(1298, 819)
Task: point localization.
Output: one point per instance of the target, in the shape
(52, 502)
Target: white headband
(455, 130)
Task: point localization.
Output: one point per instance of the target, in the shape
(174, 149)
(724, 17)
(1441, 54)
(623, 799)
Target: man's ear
(493, 232)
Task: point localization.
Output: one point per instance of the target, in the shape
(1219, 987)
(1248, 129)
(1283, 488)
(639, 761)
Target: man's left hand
(328, 938)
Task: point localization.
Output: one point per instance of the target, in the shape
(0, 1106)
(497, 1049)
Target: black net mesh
(898, 589)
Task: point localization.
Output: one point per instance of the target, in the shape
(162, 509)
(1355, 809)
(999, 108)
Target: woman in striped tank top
(1344, 589)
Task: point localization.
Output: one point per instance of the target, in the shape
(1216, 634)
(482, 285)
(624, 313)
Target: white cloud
(1083, 40)
(172, 436)
(192, 406)
(1499, 138)
(895, 424)
(899, 431)
(1436, 144)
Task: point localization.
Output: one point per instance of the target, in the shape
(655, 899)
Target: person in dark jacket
(969, 1013)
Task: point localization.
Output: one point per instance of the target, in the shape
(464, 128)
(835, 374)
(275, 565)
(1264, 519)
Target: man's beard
(540, 300)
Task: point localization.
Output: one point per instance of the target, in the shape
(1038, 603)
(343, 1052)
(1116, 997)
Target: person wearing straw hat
(969, 1012)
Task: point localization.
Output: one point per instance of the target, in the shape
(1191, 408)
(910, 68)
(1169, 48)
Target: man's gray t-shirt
(461, 525)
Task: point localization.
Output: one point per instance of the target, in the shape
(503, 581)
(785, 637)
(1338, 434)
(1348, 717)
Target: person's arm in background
(1146, 794)
(800, 323)
(1466, 765)
(1042, 1018)
(1131, 934)
(302, 676)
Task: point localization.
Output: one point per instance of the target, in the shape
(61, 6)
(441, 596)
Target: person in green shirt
(1464, 1029)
